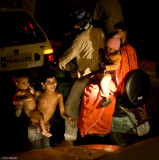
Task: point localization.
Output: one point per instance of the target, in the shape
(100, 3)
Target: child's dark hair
(16, 76)
(47, 74)
(121, 25)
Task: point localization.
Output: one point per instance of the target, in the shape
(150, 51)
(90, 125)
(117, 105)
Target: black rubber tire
(122, 139)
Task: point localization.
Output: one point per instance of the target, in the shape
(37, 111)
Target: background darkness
(139, 16)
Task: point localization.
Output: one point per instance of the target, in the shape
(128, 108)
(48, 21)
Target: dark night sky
(140, 16)
(51, 16)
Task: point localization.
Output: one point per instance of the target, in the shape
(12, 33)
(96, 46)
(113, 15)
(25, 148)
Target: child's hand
(19, 103)
(105, 71)
(31, 89)
(71, 120)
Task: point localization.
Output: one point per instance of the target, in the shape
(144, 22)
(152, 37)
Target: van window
(18, 28)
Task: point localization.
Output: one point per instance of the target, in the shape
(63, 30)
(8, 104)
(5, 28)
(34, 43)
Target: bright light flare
(111, 148)
(48, 51)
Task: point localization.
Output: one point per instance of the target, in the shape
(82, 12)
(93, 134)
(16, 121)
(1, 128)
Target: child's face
(110, 50)
(120, 32)
(51, 84)
(23, 83)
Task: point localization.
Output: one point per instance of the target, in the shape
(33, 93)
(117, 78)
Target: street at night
(52, 17)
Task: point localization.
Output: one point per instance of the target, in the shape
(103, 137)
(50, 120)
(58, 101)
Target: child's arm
(61, 106)
(18, 104)
(31, 89)
(116, 63)
(17, 99)
(37, 94)
(20, 99)
(71, 120)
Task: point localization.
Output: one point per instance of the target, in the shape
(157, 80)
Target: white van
(23, 43)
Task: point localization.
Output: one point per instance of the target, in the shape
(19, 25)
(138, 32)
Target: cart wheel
(122, 139)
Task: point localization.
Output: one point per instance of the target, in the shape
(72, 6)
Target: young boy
(108, 66)
(48, 100)
(24, 99)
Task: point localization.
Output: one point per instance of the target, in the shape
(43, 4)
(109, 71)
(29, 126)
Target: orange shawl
(128, 63)
(93, 118)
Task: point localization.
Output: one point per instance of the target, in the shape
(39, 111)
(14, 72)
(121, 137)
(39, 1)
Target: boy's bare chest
(48, 102)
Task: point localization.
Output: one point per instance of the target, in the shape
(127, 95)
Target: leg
(104, 85)
(18, 111)
(72, 108)
(105, 89)
(35, 114)
(112, 86)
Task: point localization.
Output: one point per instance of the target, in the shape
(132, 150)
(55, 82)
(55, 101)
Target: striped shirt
(85, 48)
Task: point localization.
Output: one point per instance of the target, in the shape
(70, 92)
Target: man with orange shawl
(94, 118)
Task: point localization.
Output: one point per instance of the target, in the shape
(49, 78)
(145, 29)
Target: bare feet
(18, 111)
(46, 133)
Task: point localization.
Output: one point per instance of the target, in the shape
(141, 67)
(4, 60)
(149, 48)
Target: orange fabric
(128, 63)
(94, 118)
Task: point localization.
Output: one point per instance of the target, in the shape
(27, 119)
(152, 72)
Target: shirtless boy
(24, 99)
(48, 100)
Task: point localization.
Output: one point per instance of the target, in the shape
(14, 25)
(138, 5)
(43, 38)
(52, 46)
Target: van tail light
(49, 57)
(31, 26)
